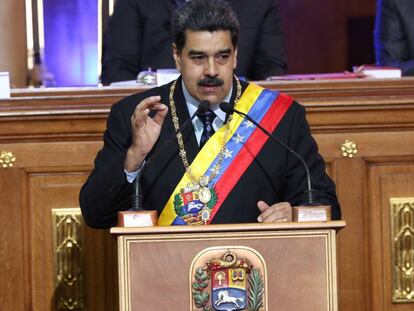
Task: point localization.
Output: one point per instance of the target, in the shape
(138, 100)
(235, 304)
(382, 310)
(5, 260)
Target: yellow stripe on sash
(210, 151)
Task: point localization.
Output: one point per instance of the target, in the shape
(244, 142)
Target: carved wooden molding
(68, 251)
(402, 245)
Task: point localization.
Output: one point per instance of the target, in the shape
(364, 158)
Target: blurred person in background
(139, 37)
(394, 35)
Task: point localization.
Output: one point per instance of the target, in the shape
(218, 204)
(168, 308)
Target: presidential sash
(186, 205)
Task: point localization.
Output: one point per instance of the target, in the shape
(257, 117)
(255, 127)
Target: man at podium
(220, 167)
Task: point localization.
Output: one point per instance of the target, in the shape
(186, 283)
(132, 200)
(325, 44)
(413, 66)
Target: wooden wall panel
(382, 168)
(61, 190)
(101, 279)
(352, 240)
(49, 175)
(53, 155)
(13, 249)
(387, 179)
(47, 192)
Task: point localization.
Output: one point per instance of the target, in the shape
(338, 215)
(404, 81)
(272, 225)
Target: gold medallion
(204, 195)
(203, 181)
(205, 215)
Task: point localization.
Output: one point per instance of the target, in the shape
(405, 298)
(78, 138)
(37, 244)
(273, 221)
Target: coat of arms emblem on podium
(228, 282)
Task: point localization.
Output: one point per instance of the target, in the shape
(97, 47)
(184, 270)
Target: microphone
(136, 197)
(228, 108)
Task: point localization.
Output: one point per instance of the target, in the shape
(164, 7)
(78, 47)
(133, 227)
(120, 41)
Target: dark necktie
(207, 118)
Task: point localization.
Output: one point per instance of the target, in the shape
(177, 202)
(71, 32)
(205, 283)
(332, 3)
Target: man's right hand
(145, 131)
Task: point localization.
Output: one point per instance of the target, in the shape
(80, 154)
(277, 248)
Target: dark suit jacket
(274, 176)
(138, 37)
(394, 34)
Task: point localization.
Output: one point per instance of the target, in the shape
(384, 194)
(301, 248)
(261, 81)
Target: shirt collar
(192, 103)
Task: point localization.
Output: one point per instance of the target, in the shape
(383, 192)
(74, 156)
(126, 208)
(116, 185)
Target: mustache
(210, 81)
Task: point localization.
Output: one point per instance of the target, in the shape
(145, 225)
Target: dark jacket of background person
(394, 34)
(138, 37)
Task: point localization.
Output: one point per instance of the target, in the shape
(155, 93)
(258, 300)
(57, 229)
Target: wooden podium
(165, 268)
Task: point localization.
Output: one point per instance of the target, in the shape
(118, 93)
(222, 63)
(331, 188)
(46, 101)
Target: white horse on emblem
(224, 297)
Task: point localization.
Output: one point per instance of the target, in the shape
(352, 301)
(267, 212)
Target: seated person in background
(139, 37)
(222, 169)
(394, 35)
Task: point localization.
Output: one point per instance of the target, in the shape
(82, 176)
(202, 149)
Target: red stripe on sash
(250, 150)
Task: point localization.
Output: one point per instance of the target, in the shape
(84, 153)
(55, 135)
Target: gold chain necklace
(200, 184)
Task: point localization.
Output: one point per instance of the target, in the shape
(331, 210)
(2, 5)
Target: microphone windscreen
(204, 106)
(226, 107)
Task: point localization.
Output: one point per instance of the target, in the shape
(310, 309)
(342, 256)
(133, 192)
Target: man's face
(206, 63)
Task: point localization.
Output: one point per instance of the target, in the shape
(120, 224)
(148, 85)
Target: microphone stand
(310, 210)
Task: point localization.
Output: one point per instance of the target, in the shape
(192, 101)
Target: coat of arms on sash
(194, 204)
(229, 282)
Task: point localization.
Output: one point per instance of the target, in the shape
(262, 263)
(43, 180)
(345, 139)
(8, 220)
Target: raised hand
(145, 131)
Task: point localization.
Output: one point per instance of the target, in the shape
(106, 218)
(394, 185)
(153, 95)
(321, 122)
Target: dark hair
(204, 15)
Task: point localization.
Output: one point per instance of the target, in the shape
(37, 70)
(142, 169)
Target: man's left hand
(279, 212)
